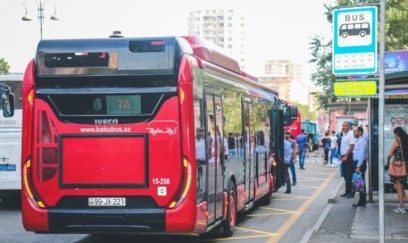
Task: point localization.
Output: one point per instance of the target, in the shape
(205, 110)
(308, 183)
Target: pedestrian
(286, 158)
(326, 147)
(293, 161)
(359, 157)
(231, 146)
(399, 151)
(333, 147)
(340, 137)
(346, 156)
(200, 158)
(301, 141)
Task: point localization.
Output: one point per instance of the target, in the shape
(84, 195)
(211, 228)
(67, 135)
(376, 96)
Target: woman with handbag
(397, 168)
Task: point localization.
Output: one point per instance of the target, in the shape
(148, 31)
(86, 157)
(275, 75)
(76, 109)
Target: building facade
(223, 27)
(288, 78)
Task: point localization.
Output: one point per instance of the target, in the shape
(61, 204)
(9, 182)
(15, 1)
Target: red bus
(142, 135)
(295, 126)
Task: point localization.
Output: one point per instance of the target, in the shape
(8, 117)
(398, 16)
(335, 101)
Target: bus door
(248, 143)
(276, 126)
(215, 138)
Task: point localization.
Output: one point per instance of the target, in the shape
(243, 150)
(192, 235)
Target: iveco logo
(106, 121)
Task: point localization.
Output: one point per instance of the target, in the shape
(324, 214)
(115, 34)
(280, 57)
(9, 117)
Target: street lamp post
(40, 10)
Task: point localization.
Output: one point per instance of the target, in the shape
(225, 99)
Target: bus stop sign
(355, 41)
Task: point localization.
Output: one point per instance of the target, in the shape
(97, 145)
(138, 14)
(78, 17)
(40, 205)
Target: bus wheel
(229, 224)
(362, 33)
(266, 200)
(344, 35)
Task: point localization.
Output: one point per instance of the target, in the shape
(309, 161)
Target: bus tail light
(186, 185)
(47, 152)
(182, 95)
(28, 185)
(30, 98)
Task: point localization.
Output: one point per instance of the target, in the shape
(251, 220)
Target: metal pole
(381, 124)
(41, 16)
(369, 161)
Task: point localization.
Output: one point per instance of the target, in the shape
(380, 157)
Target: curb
(332, 199)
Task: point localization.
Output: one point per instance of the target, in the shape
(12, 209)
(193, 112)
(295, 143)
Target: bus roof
(146, 55)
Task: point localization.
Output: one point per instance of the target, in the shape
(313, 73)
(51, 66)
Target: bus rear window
(147, 46)
(77, 59)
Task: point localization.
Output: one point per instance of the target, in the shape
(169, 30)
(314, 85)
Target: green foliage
(396, 38)
(4, 66)
(305, 113)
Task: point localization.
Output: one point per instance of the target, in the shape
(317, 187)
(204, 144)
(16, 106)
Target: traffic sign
(355, 88)
(355, 41)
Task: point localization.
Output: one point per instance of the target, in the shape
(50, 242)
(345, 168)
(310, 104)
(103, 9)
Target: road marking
(256, 231)
(292, 196)
(241, 237)
(288, 224)
(305, 187)
(287, 199)
(279, 209)
(266, 214)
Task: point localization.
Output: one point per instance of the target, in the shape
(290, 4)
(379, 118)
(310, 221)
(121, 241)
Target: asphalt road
(286, 219)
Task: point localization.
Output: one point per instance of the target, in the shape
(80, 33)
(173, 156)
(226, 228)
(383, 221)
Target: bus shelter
(395, 115)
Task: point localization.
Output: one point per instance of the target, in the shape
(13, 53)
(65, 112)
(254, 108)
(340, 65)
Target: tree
(4, 66)
(305, 113)
(396, 38)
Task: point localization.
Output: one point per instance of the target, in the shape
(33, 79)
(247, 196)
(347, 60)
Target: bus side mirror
(287, 115)
(293, 112)
(7, 101)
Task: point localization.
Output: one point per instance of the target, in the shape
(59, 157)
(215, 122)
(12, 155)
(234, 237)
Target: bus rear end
(102, 148)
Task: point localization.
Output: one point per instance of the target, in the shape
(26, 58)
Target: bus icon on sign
(361, 29)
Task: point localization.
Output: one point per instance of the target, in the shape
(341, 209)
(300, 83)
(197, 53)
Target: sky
(276, 29)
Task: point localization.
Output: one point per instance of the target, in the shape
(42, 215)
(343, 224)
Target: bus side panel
(34, 219)
(183, 218)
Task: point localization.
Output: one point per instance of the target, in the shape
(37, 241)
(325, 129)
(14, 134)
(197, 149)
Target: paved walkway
(343, 223)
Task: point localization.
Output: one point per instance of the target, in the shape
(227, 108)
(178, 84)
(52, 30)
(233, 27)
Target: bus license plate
(107, 201)
(8, 167)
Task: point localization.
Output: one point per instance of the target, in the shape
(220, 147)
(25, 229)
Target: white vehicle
(10, 133)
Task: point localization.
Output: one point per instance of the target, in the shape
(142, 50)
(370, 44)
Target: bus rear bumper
(106, 220)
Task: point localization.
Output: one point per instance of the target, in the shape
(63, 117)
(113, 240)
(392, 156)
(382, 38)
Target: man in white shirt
(346, 156)
(359, 155)
(333, 146)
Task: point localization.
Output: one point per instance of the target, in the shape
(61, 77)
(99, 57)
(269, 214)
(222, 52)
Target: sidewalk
(343, 223)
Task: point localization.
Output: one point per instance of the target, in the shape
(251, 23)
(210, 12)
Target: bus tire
(229, 224)
(266, 200)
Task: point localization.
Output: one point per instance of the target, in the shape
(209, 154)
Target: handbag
(397, 168)
(358, 183)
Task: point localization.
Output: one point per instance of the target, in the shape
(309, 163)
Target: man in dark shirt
(301, 141)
